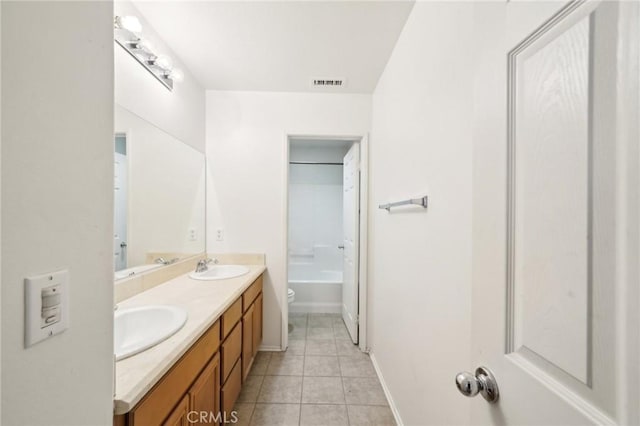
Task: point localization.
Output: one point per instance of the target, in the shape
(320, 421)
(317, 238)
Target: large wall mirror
(159, 187)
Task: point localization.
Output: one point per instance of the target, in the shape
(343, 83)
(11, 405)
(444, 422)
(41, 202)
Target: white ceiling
(283, 45)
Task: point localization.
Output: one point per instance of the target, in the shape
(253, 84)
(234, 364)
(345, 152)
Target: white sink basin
(220, 272)
(138, 329)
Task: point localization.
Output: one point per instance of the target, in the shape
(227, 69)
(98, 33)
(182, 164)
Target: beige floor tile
(298, 321)
(250, 389)
(322, 390)
(282, 389)
(320, 333)
(347, 348)
(260, 364)
(321, 347)
(363, 390)
(243, 410)
(356, 366)
(285, 364)
(337, 321)
(340, 332)
(298, 333)
(324, 366)
(296, 347)
(363, 415)
(276, 414)
(323, 415)
(316, 321)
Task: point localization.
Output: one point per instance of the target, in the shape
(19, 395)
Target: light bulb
(177, 75)
(145, 45)
(129, 23)
(163, 61)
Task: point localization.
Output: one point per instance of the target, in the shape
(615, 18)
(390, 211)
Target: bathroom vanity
(198, 372)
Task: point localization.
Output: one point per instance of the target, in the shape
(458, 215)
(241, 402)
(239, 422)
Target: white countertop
(205, 302)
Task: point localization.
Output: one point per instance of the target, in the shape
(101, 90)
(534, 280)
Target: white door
(120, 205)
(351, 220)
(555, 221)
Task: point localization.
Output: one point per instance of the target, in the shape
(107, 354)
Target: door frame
(363, 140)
(127, 134)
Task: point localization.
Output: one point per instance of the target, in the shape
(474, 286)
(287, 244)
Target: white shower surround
(316, 280)
(315, 227)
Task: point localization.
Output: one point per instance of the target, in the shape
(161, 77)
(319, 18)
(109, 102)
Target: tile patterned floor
(321, 380)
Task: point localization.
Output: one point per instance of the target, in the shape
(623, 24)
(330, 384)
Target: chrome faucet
(203, 264)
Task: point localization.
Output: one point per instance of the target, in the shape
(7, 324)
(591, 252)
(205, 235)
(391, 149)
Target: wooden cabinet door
(247, 341)
(257, 324)
(204, 395)
(178, 416)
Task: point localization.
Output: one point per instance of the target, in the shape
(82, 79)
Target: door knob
(483, 383)
(341, 247)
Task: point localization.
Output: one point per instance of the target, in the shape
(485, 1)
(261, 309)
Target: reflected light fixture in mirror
(128, 34)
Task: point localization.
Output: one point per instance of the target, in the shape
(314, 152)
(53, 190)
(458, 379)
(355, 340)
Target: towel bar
(415, 201)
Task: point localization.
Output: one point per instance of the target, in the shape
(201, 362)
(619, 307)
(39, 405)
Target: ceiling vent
(329, 82)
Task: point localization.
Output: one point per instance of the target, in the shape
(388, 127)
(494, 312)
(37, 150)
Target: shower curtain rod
(316, 163)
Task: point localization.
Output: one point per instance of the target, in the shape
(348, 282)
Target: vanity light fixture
(128, 34)
(129, 23)
(177, 75)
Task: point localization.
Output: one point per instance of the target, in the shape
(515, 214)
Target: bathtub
(317, 290)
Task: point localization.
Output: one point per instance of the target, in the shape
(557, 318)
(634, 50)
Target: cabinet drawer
(231, 350)
(231, 390)
(251, 293)
(231, 317)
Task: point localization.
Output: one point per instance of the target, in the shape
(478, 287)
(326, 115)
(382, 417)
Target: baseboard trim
(264, 348)
(392, 404)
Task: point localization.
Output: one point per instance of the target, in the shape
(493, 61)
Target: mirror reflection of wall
(159, 190)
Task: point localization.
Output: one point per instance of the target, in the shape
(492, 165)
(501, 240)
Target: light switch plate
(36, 328)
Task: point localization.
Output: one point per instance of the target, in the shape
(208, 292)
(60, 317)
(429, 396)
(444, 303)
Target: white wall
(179, 112)
(0, 212)
(246, 154)
(420, 261)
(57, 209)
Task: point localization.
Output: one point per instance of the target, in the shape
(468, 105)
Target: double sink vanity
(186, 331)
(185, 346)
